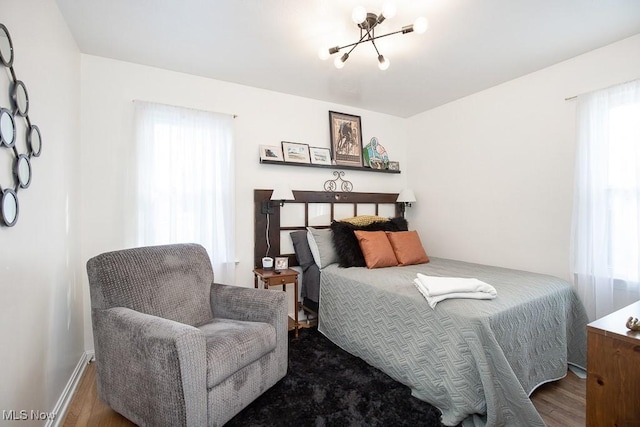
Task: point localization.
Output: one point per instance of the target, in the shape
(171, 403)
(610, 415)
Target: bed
(477, 361)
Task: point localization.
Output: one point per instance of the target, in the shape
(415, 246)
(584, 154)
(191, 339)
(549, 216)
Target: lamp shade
(282, 192)
(406, 196)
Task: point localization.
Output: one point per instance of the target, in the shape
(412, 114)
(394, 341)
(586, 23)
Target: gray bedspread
(476, 360)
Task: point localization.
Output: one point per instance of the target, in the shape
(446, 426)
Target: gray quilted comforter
(476, 360)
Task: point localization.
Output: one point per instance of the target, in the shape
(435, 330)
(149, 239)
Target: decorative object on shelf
(282, 263)
(368, 22)
(404, 200)
(320, 156)
(331, 185)
(295, 152)
(633, 324)
(271, 152)
(394, 166)
(346, 138)
(10, 119)
(375, 155)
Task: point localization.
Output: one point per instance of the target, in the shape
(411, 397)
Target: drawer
(281, 280)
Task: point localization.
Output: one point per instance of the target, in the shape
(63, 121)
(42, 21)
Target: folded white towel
(435, 286)
(433, 300)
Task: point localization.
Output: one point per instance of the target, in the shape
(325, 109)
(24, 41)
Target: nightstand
(613, 370)
(280, 277)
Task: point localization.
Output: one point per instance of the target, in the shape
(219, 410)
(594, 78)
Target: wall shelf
(309, 165)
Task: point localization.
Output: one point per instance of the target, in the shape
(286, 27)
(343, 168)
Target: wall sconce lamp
(404, 200)
(281, 193)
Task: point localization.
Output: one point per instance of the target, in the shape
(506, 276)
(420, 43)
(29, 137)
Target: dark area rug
(326, 386)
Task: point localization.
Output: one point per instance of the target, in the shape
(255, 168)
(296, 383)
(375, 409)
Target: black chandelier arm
(404, 30)
(362, 37)
(354, 46)
(375, 47)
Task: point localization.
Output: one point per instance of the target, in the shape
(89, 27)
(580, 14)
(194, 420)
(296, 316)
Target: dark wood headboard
(306, 198)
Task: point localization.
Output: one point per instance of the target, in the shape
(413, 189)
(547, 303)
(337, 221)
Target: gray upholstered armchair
(172, 347)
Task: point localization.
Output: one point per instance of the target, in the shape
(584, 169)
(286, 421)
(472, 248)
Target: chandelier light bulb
(389, 10)
(323, 53)
(383, 63)
(339, 62)
(359, 14)
(421, 25)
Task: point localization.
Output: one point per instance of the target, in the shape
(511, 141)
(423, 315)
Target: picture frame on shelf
(320, 156)
(281, 263)
(375, 155)
(295, 152)
(271, 153)
(346, 138)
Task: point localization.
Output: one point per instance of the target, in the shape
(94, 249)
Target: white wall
(41, 311)
(264, 117)
(493, 172)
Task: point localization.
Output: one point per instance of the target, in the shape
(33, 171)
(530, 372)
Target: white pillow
(321, 245)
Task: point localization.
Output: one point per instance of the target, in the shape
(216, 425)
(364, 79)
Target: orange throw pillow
(407, 247)
(376, 249)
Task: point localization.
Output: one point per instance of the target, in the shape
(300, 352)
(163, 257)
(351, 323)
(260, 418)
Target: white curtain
(184, 185)
(606, 213)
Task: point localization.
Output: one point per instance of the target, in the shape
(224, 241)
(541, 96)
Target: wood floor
(87, 410)
(560, 403)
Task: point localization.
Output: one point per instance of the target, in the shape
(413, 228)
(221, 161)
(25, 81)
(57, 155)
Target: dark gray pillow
(301, 247)
(310, 271)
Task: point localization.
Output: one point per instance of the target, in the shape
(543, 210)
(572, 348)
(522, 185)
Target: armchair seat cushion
(233, 344)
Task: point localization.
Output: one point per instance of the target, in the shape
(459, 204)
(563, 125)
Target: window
(185, 181)
(606, 217)
(622, 192)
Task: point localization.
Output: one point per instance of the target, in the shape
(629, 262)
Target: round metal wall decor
(19, 138)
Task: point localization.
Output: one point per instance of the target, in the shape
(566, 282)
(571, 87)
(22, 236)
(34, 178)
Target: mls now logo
(22, 415)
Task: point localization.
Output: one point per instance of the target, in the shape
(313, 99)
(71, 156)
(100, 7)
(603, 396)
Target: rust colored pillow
(376, 249)
(407, 247)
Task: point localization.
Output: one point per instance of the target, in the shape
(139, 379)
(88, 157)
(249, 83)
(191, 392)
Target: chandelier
(368, 22)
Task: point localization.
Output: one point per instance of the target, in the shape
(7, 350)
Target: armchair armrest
(254, 305)
(150, 369)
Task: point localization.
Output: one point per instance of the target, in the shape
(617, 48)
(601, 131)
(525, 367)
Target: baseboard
(70, 389)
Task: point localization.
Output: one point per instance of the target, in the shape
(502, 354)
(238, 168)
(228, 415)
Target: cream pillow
(321, 245)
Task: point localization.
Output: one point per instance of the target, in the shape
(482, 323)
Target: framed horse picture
(346, 139)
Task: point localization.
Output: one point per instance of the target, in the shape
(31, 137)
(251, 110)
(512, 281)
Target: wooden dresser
(613, 370)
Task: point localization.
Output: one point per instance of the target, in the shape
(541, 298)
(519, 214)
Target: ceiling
(471, 45)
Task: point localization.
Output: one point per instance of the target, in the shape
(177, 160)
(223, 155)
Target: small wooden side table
(613, 370)
(280, 277)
